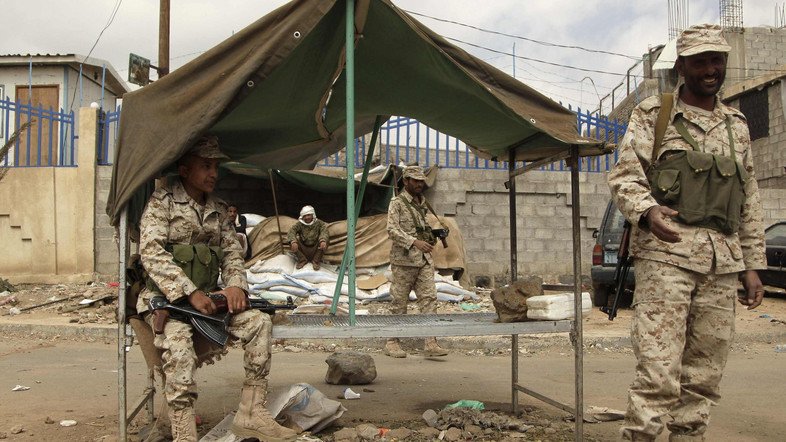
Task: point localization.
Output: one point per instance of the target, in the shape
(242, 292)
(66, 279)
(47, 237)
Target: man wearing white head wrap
(308, 238)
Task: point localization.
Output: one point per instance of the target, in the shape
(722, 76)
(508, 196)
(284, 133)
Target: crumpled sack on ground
(304, 408)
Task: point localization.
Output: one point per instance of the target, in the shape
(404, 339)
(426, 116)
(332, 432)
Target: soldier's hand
(423, 246)
(754, 290)
(201, 302)
(656, 219)
(322, 245)
(293, 246)
(237, 302)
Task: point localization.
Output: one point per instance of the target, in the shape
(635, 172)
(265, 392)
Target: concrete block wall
(479, 202)
(106, 252)
(763, 49)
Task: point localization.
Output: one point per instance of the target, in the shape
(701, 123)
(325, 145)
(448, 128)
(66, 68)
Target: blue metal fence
(108, 125)
(49, 141)
(406, 140)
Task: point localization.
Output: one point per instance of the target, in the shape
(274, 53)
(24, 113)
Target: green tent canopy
(274, 94)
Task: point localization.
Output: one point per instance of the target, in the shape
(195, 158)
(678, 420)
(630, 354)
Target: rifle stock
(620, 272)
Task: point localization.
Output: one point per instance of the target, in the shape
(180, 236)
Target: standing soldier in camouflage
(308, 238)
(690, 250)
(185, 213)
(410, 256)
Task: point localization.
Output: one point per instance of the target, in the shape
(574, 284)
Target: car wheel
(600, 296)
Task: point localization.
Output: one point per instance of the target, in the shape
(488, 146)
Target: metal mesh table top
(417, 325)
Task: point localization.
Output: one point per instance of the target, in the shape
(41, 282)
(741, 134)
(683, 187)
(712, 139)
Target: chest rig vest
(706, 189)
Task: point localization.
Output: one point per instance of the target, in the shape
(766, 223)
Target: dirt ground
(76, 378)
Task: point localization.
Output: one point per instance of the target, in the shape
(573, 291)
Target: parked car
(604, 258)
(775, 239)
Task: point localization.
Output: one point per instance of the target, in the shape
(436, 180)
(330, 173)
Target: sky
(626, 27)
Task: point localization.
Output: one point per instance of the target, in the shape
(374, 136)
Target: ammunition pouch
(425, 234)
(201, 264)
(706, 189)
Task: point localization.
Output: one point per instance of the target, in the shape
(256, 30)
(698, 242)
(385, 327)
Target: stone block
(350, 368)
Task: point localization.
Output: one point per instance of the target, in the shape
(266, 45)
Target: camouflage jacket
(309, 235)
(402, 230)
(173, 217)
(699, 247)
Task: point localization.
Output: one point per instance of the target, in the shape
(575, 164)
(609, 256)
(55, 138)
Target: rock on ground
(350, 368)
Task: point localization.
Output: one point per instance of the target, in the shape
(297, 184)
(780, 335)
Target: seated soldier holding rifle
(185, 240)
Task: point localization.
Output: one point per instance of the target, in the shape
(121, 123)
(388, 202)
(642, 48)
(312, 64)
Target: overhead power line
(540, 42)
(535, 59)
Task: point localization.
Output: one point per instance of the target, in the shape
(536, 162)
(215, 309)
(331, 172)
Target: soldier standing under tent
(690, 249)
(410, 256)
(183, 216)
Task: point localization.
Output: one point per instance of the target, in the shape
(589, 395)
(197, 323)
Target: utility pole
(163, 39)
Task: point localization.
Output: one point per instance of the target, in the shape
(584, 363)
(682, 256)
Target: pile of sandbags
(276, 279)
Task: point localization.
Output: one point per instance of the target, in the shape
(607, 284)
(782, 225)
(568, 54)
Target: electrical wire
(100, 34)
(535, 59)
(540, 42)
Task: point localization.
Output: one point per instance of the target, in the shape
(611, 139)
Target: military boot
(431, 348)
(183, 425)
(393, 349)
(253, 419)
(302, 260)
(317, 261)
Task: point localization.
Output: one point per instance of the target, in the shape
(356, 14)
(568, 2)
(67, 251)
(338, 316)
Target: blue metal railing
(108, 126)
(49, 141)
(406, 140)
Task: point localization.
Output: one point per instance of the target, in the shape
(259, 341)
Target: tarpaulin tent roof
(274, 93)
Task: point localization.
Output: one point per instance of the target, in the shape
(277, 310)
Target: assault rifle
(213, 327)
(620, 273)
(442, 235)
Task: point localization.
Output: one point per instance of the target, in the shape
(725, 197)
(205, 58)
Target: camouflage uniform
(685, 292)
(309, 237)
(412, 269)
(173, 217)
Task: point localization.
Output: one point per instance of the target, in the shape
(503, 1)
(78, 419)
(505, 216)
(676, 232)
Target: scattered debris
(49, 420)
(464, 403)
(17, 429)
(367, 431)
(13, 311)
(349, 394)
(780, 348)
(8, 300)
(67, 423)
(20, 388)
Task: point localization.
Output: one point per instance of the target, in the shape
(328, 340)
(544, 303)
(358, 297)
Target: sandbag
(252, 219)
(444, 287)
(294, 291)
(314, 276)
(276, 264)
(270, 296)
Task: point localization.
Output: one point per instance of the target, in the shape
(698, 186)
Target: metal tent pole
(350, 67)
(577, 334)
(121, 329)
(358, 202)
(514, 339)
(275, 207)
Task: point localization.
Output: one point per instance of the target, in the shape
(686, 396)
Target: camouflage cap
(207, 147)
(414, 172)
(701, 38)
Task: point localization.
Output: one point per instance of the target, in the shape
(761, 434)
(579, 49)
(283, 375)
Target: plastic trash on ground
(465, 403)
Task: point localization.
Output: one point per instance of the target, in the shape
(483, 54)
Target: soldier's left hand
(322, 245)
(754, 290)
(237, 301)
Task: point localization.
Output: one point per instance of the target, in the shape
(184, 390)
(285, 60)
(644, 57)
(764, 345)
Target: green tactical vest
(707, 190)
(201, 264)
(422, 229)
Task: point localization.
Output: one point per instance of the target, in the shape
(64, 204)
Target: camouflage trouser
(419, 279)
(682, 329)
(252, 327)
